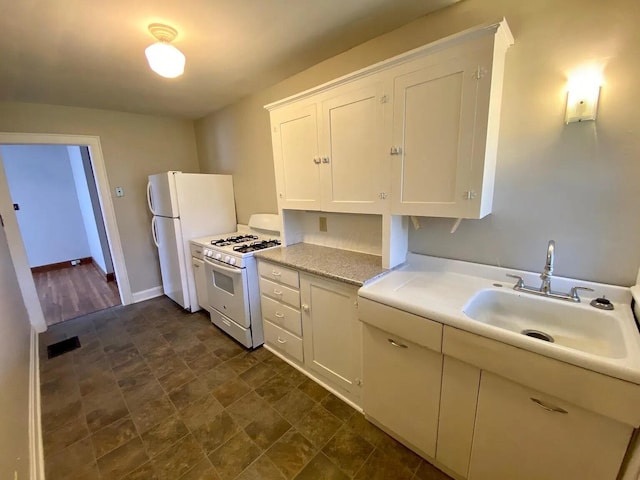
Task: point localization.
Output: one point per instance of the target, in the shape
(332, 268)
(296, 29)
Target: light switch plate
(119, 192)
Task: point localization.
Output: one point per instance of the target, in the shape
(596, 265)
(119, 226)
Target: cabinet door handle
(277, 292)
(316, 160)
(396, 344)
(281, 340)
(195, 265)
(305, 307)
(279, 315)
(325, 159)
(275, 274)
(547, 407)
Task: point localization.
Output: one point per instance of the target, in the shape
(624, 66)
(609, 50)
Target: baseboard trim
(148, 294)
(60, 265)
(36, 453)
(109, 277)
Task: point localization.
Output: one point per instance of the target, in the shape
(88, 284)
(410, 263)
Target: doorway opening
(85, 272)
(55, 198)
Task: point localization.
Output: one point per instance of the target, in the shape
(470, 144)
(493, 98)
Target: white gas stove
(232, 277)
(235, 248)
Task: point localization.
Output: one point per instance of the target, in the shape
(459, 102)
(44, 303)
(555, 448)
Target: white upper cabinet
(445, 122)
(413, 135)
(434, 118)
(295, 150)
(328, 151)
(353, 178)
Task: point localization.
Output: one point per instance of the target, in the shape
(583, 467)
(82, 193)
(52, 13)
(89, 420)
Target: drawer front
(607, 396)
(419, 330)
(283, 341)
(196, 251)
(280, 292)
(281, 315)
(242, 335)
(278, 273)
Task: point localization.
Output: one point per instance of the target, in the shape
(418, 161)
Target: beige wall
(14, 371)
(577, 184)
(133, 146)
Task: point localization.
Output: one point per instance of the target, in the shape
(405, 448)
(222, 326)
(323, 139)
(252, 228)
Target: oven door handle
(232, 270)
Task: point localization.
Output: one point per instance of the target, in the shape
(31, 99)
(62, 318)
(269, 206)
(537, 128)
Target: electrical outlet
(119, 192)
(322, 224)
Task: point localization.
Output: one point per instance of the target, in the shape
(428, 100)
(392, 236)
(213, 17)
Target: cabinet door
(402, 387)
(332, 333)
(434, 117)
(201, 282)
(294, 131)
(523, 434)
(352, 174)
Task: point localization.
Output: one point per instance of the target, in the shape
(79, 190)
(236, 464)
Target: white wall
(41, 182)
(86, 208)
(577, 184)
(14, 371)
(133, 146)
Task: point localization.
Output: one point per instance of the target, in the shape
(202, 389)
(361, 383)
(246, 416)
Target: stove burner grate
(259, 245)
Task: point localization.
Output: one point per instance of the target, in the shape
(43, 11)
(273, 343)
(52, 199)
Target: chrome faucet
(545, 276)
(547, 273)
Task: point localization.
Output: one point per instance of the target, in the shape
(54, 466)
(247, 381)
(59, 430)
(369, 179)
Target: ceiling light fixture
(164, 59)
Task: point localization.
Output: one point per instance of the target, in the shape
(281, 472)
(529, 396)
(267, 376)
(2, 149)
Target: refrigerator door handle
(154, 232)
(149, 198)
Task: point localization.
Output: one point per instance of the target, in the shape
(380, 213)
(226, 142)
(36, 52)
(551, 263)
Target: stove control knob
(218, 256)
(206, 252)
(226, 259)
(232, 261)
(209, 253)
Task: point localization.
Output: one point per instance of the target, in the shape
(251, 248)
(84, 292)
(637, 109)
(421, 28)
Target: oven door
(227, 291)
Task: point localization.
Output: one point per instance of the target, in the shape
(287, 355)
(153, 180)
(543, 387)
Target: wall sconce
(582, 96)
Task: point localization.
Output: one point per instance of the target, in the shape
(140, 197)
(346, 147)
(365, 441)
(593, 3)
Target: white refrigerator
(186, 206)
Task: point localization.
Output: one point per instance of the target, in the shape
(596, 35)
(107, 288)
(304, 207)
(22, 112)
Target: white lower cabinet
(201, 282)
(458, 403)
(402, 387)
(332, 333)
(523, 434)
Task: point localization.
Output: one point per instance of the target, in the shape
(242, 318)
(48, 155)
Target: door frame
(14, 238)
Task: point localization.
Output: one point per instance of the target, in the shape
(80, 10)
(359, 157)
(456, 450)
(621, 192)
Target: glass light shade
(166, 60)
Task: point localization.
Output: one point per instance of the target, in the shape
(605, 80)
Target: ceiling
(91, 53)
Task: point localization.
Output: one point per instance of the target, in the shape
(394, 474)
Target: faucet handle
(574, 292)
(519, 283)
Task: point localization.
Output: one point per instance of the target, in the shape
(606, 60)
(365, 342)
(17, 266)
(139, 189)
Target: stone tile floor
(155, 393)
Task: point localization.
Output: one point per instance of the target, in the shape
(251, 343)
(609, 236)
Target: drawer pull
(547, 407)
(275, 274)
(396, 344)
(305, 307)
(281, 340)
(227, 323)
(279, 315)
(277, 292)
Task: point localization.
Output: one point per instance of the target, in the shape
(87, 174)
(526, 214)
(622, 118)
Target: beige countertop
(346, 266)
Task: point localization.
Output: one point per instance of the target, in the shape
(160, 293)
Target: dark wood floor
(71, 292)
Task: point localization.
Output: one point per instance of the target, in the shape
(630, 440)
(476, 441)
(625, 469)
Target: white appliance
(184, 206)
(232, 277)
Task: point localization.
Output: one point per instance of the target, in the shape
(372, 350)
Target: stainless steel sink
(566, 325)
